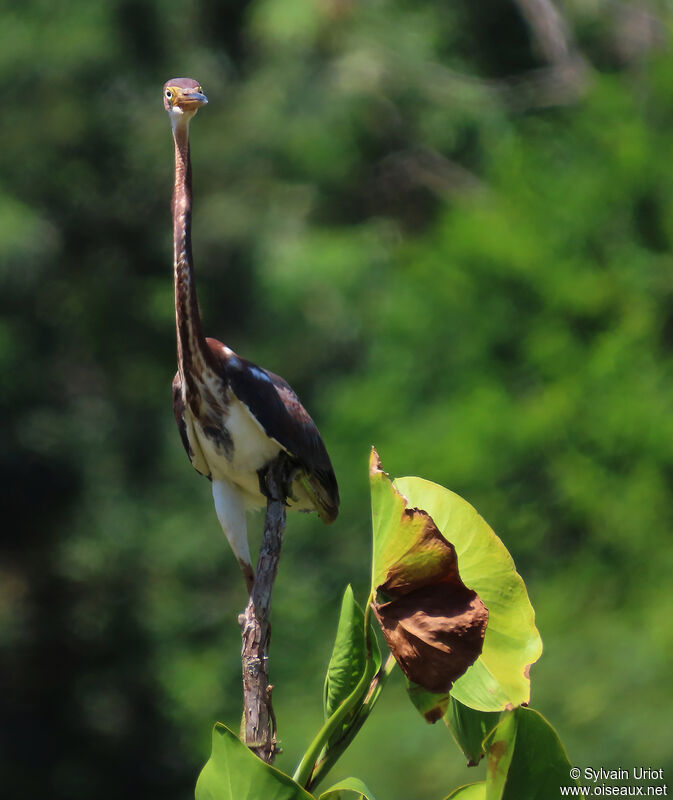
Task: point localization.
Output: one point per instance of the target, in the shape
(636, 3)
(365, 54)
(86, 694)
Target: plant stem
(336, 749)
(303, 773)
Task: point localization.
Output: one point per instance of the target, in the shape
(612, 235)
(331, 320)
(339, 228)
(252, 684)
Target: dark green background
(446, 258)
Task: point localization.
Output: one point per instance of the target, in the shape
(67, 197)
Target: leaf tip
(375, 466)
(433, 715)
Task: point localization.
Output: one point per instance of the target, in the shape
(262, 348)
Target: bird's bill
(192, 99)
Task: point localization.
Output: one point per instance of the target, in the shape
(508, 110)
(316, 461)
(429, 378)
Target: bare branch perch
(567, 75)
(259, 720)
(562, 80)
(548, 28)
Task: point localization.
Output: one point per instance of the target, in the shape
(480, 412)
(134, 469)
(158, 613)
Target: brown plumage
(234, 417)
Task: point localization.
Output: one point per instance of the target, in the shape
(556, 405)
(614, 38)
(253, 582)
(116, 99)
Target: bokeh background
(450, 226)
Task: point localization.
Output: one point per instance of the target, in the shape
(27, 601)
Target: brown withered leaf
(433, 624)
(435, 633)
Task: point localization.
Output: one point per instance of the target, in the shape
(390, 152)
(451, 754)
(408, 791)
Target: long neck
(192, 349)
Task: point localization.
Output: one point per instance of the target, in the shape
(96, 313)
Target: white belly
(237, 456)
(251, 450)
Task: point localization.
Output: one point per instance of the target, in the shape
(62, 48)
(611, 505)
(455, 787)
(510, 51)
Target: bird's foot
(276, 478)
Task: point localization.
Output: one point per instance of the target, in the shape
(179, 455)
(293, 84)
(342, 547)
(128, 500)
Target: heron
(235, 418)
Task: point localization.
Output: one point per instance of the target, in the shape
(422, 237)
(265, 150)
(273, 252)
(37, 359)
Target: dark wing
(276, 407)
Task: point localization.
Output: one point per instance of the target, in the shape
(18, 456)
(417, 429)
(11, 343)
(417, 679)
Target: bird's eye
(169, 93)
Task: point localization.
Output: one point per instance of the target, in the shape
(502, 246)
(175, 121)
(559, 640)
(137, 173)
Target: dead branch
(259, 720)
(549, 30)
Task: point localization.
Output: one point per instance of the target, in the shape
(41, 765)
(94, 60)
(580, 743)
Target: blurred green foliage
(479, 283)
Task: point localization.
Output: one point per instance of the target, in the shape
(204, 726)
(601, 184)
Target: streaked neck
(192, 350)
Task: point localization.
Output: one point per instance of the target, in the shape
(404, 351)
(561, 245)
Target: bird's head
(182, 99)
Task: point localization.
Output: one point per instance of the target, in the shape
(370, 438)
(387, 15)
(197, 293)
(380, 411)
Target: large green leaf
(233, 772)
(526, 761)
(402, 539)
(349, 655)
(539, 764)
(499, 678)
(348, 789)
(433, 623)
(470, 729)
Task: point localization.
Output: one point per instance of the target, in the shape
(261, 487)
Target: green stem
(303, 772)
(337, 748)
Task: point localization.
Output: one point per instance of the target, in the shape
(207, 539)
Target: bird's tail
(323, 493)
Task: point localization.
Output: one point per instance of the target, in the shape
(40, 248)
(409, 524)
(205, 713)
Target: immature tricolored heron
(234, 417)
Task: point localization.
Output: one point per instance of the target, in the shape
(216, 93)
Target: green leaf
(470, 728)
(233, 772)
(526, 761)
(499, 678)
(472, 791)
(349, 655)
(351, 711)
(401, 538)
(500, 752)
(539, 764)
(349, 662)
(433, 623)
(432, 705)
(345, 789)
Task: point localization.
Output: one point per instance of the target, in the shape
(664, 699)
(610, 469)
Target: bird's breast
(229, 443)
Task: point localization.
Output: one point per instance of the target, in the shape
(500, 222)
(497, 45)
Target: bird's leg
(230, 511)
(276, 478)
(248, 575)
